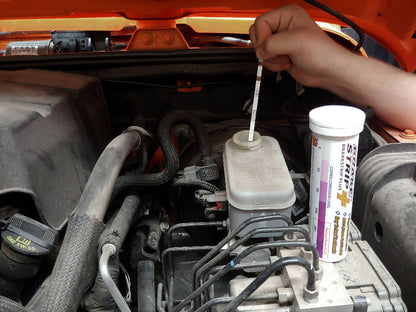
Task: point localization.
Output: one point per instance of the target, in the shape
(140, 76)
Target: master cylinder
(257, 180)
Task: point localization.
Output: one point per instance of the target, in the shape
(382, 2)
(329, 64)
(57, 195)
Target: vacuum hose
(169, 152)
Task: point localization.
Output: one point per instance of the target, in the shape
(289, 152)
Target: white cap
(336, 120)
(240, 139)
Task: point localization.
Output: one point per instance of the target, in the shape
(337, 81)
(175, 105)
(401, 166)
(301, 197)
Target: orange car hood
(391, 23)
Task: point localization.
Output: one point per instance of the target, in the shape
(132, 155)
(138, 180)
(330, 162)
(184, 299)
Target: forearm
(288, 39)
(389, 91)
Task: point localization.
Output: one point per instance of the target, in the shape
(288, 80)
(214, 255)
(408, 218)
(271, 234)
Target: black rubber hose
(169, 152)
(117, 231)
(145, 251)
(196, 125)
(279, 264)
(195, 183)
(76, 265)
(144, 158)
(96, 195)
(146, 298)
(99, 298)
(8, 305)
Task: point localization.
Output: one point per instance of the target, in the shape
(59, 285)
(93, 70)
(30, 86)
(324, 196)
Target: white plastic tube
(335, 132)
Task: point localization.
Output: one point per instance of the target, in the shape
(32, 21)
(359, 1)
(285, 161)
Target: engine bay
(122, 188)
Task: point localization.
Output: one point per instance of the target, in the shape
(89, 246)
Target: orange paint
(391, 23)
(157, 39)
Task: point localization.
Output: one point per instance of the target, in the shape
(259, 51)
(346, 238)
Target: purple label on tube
(323, 188)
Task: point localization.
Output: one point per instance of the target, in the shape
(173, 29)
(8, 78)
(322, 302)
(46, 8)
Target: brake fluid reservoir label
(332, 188)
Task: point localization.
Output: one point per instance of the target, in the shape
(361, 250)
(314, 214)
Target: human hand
(288, 39)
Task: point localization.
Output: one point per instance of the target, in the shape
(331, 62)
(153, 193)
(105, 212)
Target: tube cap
(336, 120)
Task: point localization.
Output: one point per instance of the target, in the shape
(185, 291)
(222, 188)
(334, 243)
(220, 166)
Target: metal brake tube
(109, 250)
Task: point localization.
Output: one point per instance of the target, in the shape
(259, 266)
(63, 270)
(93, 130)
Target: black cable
(195, 183)
(342, 18)
(279, 264)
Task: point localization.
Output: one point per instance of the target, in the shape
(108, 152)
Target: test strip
(255, 100)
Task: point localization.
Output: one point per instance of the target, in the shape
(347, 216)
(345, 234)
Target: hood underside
(391, 23)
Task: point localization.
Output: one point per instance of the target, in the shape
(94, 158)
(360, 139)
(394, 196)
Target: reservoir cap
(240, 139)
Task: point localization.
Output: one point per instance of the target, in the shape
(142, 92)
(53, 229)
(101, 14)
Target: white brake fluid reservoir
(335, 131)
(258, 182)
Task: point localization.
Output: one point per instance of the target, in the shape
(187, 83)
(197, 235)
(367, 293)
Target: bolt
(285, 295)
(290, 238)
(152, 240)
(164, 226)
(147, 38)
(168, 37)
(318, 274)
(408, 134)
(212, 217)
(310, 295)
(306, 254)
